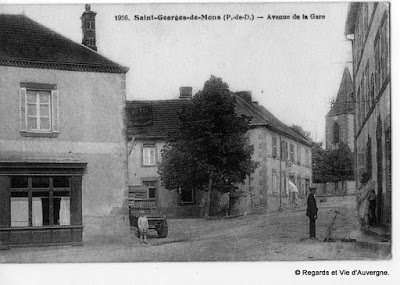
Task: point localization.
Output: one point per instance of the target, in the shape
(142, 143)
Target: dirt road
(278, 236)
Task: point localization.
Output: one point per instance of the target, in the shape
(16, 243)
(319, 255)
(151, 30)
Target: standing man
(312, 211)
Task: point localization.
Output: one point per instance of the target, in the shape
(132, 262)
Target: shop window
(35, 202)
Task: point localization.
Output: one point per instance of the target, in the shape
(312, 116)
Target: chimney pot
(88, 19)
(185, 92)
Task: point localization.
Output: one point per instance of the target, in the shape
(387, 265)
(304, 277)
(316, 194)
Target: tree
(332, 165)
(209, 151)
(339, 164)
(298, 129)
(318, 165)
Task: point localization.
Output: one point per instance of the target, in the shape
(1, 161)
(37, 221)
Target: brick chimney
(89, 28)
(246, 95)
(185, 92)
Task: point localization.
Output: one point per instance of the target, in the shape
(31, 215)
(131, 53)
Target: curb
(381, 247)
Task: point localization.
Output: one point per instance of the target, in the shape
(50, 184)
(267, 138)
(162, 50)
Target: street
(276, 236)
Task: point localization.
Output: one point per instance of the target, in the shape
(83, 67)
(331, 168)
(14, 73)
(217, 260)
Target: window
(368, 157)
(90, 25)
(91, 42)
(381, 55)
(187, 196)
(152, 186)
(362, 94)
(40, 201)
(367, 89)
(308, 158)
(284, 150)
(298, 154)
(149, 155)
(274, 146)
(336, 133)
(39, 109)
(291, 152)
(358, 108)
(275, 187)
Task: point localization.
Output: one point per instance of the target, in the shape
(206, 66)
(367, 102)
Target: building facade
(283, 155)
(63, 170)
(367, 25)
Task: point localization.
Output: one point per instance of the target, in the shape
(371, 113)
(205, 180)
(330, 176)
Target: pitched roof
(26, 43)
(261, 116)
(344, 101)
(351, 17)
(155, 119)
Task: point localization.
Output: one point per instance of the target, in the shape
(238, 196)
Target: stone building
(339, 127)
(339, 122)
(63, 151)
(367, 25)
(283, 155)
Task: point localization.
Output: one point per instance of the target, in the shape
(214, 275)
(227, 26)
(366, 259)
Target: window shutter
(55, 111)
(22, 104)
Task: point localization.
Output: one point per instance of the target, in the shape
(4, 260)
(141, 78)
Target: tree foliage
(332, 165)
(302, 132)
(209, 150)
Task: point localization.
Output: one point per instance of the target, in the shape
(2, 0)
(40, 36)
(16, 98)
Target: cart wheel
(135, 231)
(162, 232)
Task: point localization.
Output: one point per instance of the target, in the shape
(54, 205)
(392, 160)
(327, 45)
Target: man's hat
(313, 188)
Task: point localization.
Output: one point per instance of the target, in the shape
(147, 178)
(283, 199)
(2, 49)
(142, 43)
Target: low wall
(339, 188)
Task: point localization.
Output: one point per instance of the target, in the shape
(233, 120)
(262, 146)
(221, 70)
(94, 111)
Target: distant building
(149, 122)
(367, 25)
(63, 155)
(339, 128)
(339, 122)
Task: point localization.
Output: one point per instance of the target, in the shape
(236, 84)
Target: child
(143, 225)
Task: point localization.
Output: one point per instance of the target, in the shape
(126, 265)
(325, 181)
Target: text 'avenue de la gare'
(225, 17)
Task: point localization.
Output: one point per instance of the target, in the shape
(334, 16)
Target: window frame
(274, 146)
(182, 202)
(53, 104)
(298, 154)
(51, 190)
(151, 180)
(148, 146)
(336, 133)
(291, 152)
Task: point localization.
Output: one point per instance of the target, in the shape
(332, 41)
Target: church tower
(339, 122)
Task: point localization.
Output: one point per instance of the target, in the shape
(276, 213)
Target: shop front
(41, 203)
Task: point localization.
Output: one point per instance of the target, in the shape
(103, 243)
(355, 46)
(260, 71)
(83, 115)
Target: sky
(293, 67)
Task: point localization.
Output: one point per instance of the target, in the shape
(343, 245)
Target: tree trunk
(208, 199)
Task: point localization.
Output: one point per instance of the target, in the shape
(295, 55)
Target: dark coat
(311, 206)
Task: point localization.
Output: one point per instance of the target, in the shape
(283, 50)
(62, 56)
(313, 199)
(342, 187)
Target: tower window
(336, 133)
